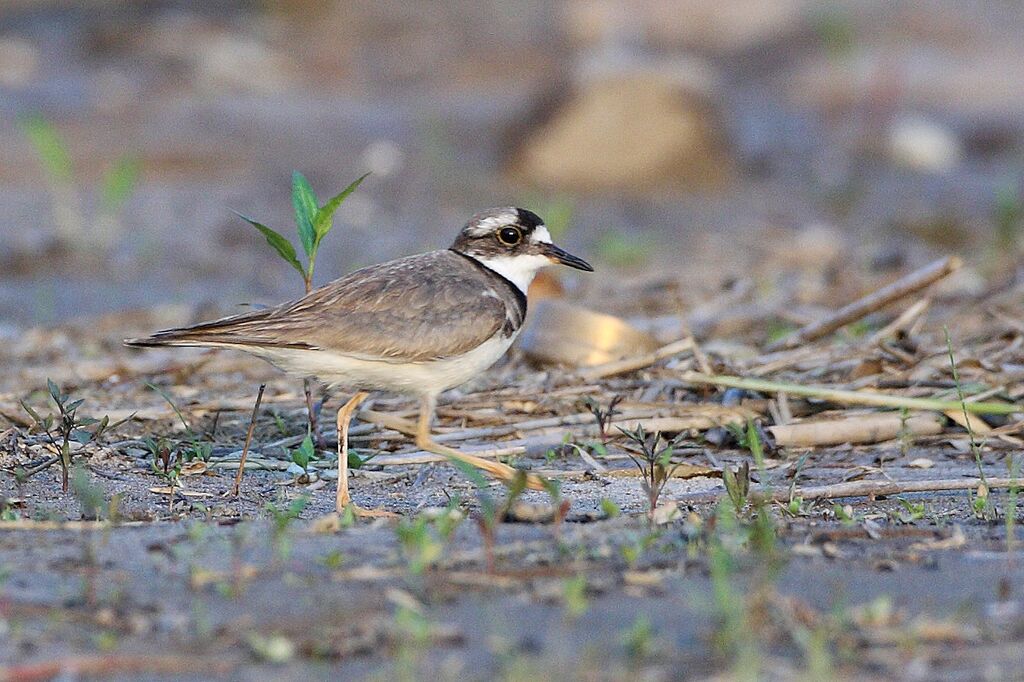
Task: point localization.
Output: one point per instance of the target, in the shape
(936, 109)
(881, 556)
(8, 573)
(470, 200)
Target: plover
(417, 325)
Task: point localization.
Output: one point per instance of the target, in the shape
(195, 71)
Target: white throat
(520, 270)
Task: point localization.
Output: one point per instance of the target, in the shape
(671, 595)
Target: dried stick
(109, 665)
(841, 396)
(867, 429)
(638, 362)
(905, 286)
(876, 488)
(248, 439)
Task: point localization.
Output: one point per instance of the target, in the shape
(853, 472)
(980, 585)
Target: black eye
(510, 236)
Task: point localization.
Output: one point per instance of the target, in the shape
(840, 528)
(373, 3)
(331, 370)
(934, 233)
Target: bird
(417, 326)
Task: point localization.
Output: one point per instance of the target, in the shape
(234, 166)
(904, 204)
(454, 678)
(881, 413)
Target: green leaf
(323, 221)
(54, 390)
(304, 202)
(119, 183)
(283, 247)
(49, 146)
(305, 453)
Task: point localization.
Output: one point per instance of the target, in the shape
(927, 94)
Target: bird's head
(514, 243)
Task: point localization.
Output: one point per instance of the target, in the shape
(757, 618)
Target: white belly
(418, 378)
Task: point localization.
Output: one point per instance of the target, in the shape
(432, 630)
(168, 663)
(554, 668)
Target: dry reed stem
(903, 287)
(248, 439)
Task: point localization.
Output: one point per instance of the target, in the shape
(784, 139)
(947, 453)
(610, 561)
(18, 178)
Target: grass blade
(119, 183)
(52, 151)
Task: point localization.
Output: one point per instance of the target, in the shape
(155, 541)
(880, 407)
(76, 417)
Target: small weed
(312, 223)
(305, 453)
(654, 462)
(602, 415)
(981, 503)
(281, 518)
(279, 423)
(638, 640)
(115, 189)
(423, 539)
(69, 426)
(166, 464)
(1008, 217)
(574, 596)
(90, 495)
(609, 508)
(332, 560)
(736, 636)
(845, 514)
(911, 511)
(737, 485)
(197, 451)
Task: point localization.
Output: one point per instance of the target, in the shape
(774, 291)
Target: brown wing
(423, 307)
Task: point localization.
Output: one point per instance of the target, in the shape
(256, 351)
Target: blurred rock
(565, 334)
(636, 129)
(923, 145)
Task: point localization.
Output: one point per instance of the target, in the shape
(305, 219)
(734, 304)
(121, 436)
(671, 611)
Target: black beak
(558, 255)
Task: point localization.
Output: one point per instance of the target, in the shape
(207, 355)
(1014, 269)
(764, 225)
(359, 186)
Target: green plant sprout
(304, 454)
(654, 462)
(115, 187)
(312, 222)
(980, 503)
(69, 426)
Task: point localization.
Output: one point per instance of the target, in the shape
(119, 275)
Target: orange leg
(500, 471)
(343, 498)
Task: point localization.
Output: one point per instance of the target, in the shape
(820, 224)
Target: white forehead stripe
(541, 235)
(494, 222)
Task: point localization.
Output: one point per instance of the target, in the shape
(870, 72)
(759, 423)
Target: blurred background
(795, 149)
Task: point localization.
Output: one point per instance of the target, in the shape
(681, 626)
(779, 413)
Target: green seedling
(603, 416)
(90, 495)
(492, 512)
(737, 485)
(332, 560)
(574, 596)
(638, 640)
(67, 427)
(654, 462)
(424, 538)
(313, 222)
(281, 518)
(166, 464)
(1008, 217)
(845, 514)
(609, 508)
(737, 637)
(115, 188)
(305, 453)
(980, 503)
(911, 511)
